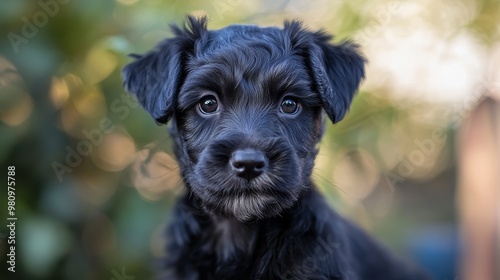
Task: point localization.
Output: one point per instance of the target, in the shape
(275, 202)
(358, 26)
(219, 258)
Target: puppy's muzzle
(248, 163)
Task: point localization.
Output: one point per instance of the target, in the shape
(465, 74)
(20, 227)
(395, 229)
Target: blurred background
(416, 162)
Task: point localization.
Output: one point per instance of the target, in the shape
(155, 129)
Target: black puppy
(246, 107)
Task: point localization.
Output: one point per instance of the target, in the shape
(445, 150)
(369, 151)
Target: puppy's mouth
(235, 178)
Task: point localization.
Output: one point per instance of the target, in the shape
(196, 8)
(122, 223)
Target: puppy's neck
(231, 237)
(230, 240)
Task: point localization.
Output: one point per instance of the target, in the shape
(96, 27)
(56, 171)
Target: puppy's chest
(248, 253)
(232, 240)
(228, 251)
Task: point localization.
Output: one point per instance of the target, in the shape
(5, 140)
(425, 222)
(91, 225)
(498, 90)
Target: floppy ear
(336, 69)
(156, 77)
(337, 72)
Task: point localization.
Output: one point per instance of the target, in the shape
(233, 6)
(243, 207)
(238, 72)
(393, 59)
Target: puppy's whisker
(174, 169)
(179, 183)
(331, 184)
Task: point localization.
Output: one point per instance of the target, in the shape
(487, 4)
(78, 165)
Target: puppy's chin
(247, 208)
(243, 201)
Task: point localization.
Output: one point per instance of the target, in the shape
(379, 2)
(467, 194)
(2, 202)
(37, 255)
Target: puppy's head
(246, 105)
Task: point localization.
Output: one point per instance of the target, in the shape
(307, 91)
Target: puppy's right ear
(156, 77)
(336, 69)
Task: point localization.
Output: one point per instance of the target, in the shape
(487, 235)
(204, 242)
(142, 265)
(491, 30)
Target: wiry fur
(276, 225)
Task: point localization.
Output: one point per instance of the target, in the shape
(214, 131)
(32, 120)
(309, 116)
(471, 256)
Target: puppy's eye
(208, 104)
(289, 106)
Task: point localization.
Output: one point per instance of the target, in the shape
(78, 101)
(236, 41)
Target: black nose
(248, 163)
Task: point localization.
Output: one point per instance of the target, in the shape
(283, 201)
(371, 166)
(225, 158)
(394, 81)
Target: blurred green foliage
(62, 107)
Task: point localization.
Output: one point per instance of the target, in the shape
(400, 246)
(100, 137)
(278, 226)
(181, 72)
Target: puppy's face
(246, 103)
(248, 122)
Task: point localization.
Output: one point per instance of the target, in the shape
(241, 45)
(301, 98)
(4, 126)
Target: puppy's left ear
(336, 69)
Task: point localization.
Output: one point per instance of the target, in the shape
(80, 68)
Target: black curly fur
(274, 225)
